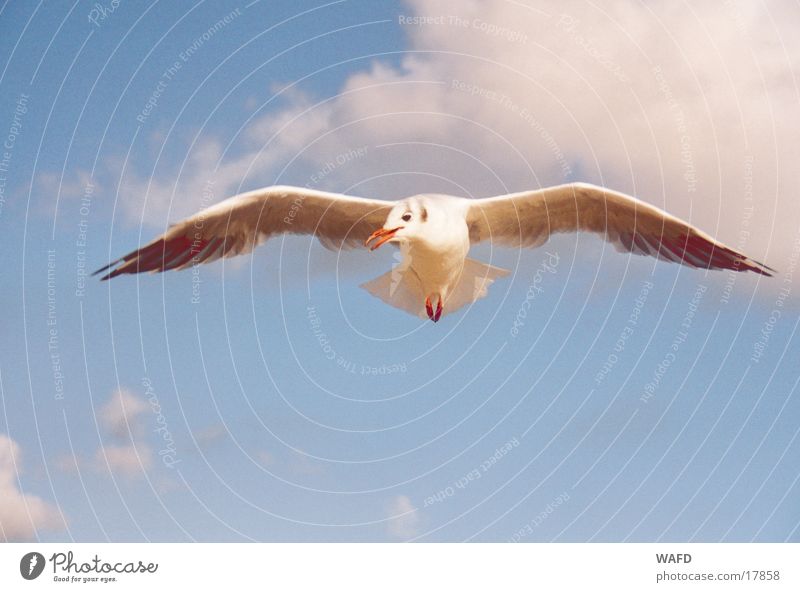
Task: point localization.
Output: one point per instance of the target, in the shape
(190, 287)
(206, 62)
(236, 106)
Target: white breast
(438, 261)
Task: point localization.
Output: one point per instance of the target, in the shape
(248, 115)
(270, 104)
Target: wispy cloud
(210, 435)
(404, 519)
(126, 459)
(207, 175)
(22, 515)
(125, 449)
(120, 414)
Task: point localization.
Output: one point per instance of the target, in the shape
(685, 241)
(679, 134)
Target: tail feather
(402, 289)
(474, 283)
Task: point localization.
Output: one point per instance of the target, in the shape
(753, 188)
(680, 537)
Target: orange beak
(384, 234)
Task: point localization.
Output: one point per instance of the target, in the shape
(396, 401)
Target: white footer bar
(389, 567)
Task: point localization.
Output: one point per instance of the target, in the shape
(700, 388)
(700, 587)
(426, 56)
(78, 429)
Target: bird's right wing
(240, 223)
(528, 219)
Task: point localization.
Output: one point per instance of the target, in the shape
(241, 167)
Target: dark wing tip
(717, 256)
(163, 254)
(761, 269)
(105, 267)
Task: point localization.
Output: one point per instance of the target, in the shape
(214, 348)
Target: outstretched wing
(528, 219)
(240, 223)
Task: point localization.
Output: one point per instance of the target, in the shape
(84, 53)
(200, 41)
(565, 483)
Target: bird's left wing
(240, 223)
(528, 219)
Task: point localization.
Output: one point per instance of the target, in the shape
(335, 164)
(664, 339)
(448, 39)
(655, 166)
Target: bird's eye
(406, 217)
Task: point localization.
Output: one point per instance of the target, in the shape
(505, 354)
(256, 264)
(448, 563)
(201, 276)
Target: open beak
(384, 234)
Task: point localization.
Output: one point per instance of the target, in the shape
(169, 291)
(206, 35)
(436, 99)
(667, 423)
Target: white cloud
(265, 458)
(205, 176)
(682, 107)
(124, 451)
(404, 520)
(693, 108)
(303, 465)
(126, 459)
(119, 415)
(69, 189)
(128, 454)
(21, 515)
(208, 436)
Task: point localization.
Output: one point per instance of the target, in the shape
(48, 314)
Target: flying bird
(434, 234)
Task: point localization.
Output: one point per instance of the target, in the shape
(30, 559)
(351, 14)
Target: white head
(409, 220)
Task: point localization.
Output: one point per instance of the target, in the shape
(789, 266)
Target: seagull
(434, 234)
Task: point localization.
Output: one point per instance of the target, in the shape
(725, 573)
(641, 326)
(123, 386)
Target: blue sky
(269, 398)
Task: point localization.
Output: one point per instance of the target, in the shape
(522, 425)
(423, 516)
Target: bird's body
(437, 258)
(434, 234)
